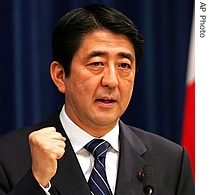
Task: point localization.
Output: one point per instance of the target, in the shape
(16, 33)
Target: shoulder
(155, 144)
(15, 144)
(19, 138)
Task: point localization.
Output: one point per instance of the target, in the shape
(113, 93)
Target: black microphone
(148, 186)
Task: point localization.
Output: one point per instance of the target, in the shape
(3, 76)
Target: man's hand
(47, 146)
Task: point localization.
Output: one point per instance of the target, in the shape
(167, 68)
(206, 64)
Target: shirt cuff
(47, 188)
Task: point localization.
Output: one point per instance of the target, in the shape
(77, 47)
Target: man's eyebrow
(103, 53)
(95, 54)
(126, 55)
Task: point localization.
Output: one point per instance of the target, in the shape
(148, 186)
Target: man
(96, 52)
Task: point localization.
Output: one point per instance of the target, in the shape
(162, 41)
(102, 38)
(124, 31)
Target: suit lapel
(130, 162)
(69, 178)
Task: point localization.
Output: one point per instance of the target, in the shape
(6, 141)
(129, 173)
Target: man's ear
(58, 75)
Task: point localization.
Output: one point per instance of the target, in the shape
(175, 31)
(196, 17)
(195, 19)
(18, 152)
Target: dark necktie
(97, 182)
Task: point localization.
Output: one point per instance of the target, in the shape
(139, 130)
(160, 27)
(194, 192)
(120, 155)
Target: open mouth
(105, 100)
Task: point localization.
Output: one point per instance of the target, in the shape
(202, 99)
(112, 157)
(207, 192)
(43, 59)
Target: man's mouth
(105, 100)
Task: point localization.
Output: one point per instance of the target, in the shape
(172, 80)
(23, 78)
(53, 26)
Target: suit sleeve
(186, 183)
(28, 185)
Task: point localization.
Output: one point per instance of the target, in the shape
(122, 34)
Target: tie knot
(97, 147)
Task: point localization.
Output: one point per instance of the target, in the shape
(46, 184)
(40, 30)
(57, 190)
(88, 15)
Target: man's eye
(125, 65)
(96, 64)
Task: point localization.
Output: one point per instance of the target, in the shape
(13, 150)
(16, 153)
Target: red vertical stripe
(188, 134)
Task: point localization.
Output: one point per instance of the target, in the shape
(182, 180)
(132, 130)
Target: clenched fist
(47, 146)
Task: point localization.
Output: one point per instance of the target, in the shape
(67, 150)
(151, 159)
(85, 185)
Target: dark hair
(72, 27)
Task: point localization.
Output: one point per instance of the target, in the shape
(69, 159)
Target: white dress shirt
(79, 138)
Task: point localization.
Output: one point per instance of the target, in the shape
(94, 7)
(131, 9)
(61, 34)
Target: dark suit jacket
(172, 173)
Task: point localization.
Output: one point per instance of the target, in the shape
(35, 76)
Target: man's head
(72, 27)
(96, 50)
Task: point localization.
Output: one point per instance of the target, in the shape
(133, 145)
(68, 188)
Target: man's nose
(110, 77)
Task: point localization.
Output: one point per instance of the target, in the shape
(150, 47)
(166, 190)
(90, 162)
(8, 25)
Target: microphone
(148, 186)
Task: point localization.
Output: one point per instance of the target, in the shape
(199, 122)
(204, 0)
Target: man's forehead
(100, 42)
(104, 33)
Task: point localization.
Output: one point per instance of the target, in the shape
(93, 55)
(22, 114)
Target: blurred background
(28, 95)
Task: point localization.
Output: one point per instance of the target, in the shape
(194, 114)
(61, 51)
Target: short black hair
(72, 27)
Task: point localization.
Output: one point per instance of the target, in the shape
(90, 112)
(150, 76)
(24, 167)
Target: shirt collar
(79, 137)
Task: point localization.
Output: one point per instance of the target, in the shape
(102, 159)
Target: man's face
(100, 84)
